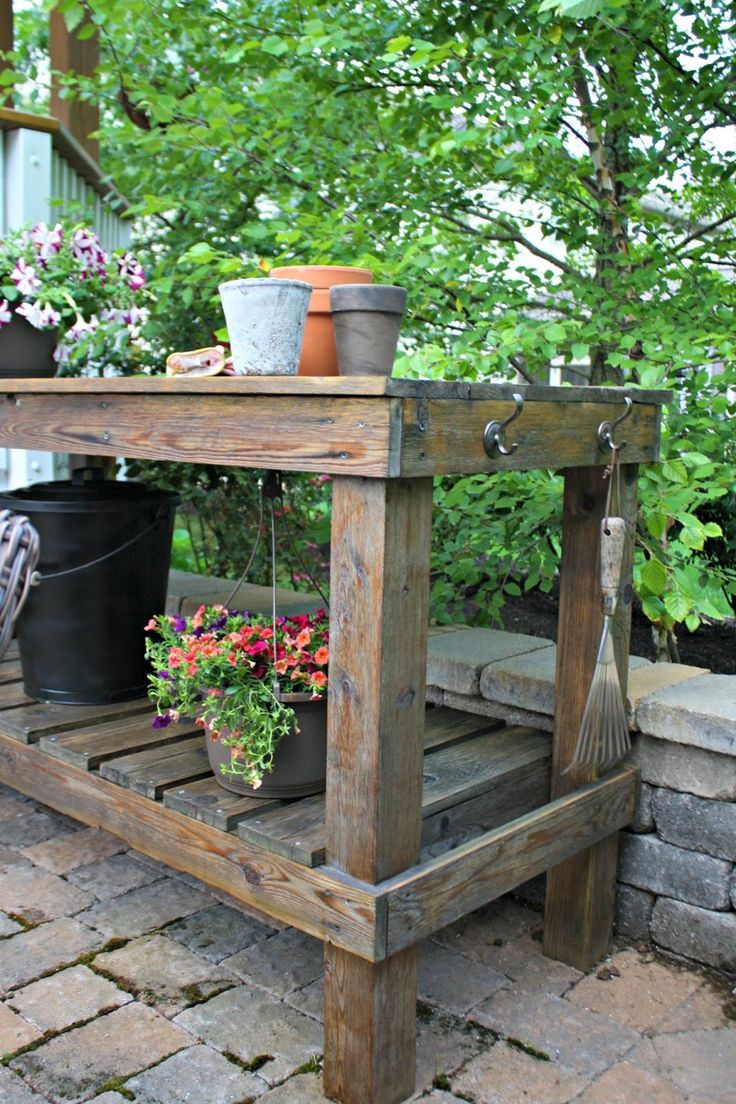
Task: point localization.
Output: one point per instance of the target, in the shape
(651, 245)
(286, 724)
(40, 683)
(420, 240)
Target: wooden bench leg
(581, 891)
(378, 643)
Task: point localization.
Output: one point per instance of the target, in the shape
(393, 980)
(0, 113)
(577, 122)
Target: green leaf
(654, 576)
(677, 605)
(398, 45)
(275, 46)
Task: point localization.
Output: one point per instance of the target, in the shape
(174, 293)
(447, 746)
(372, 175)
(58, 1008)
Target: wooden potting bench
(364, 868)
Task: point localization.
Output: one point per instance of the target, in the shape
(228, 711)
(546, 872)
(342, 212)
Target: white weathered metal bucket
(265, 323)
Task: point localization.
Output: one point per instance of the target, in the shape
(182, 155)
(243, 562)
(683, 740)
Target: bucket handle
(37, 577)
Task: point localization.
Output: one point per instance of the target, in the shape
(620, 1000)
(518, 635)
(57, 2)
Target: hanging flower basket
(259, 696)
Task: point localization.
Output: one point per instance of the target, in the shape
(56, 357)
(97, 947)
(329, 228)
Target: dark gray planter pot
(367, 320)
(26, 351)
(300, 760)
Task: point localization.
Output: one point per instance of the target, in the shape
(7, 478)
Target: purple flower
(162, 721)
(178, 624)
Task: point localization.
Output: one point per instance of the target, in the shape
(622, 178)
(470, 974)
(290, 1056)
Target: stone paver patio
(121, 980)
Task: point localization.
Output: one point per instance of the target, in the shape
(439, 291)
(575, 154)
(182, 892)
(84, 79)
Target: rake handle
(613, 541)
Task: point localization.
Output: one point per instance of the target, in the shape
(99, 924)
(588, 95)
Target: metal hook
(493, 433)
(606, 430)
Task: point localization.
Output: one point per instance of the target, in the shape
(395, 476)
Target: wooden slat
(517, 793)
(452, 777)
(327, 386)
(326, 905)
(211, 803)
(420, 902)
(443, 726)
(27, 721)
(151, 772)
(94, 745)
(12, 695)
(10, 671)
(12, 654)
(579, 901)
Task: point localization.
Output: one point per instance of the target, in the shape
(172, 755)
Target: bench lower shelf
(487, 824)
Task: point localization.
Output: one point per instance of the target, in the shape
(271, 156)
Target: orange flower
(197, 619)
(280, 666)
(322, 656)
(319, 678)
(151, 625)
(304, 639)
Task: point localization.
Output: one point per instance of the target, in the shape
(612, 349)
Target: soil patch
(711, 646)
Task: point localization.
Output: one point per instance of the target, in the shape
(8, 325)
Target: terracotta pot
(319, 355)
(265, 322)
(367, 319)
(26, 351)
(300, 760)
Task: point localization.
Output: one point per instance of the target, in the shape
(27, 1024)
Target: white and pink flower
(25, 278)
(41, 315)
(47, 240)
(6, 314)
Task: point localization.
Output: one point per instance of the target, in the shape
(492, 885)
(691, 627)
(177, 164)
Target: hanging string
(612, 472)
(248, 566)
(275, 491)
(295, 549)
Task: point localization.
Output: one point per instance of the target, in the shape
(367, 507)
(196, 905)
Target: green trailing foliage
(553, 181)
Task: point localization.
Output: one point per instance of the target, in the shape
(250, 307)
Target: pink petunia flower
(6, 314)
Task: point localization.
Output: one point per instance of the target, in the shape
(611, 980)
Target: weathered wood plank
(10, 671)
(27, 721)
(443, 726)
(325, 386)
(466, 770)
(329, 429)
(492, 768)
(293, 433)
(151, 772)
(297, 830)
(580, 893)
(12, 654)
(94, 745)
(512, 796)
(378, 644)
(208, 801)
(446, 436)
(326, 905)
(421, 901)
(12, 695)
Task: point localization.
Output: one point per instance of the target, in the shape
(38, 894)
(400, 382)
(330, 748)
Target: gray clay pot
(300, 760)
(367, 319)
(26, 351)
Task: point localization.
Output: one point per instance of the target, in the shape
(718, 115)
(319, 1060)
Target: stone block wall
(677, 869)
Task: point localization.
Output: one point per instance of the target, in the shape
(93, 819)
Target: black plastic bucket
(104, 564)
